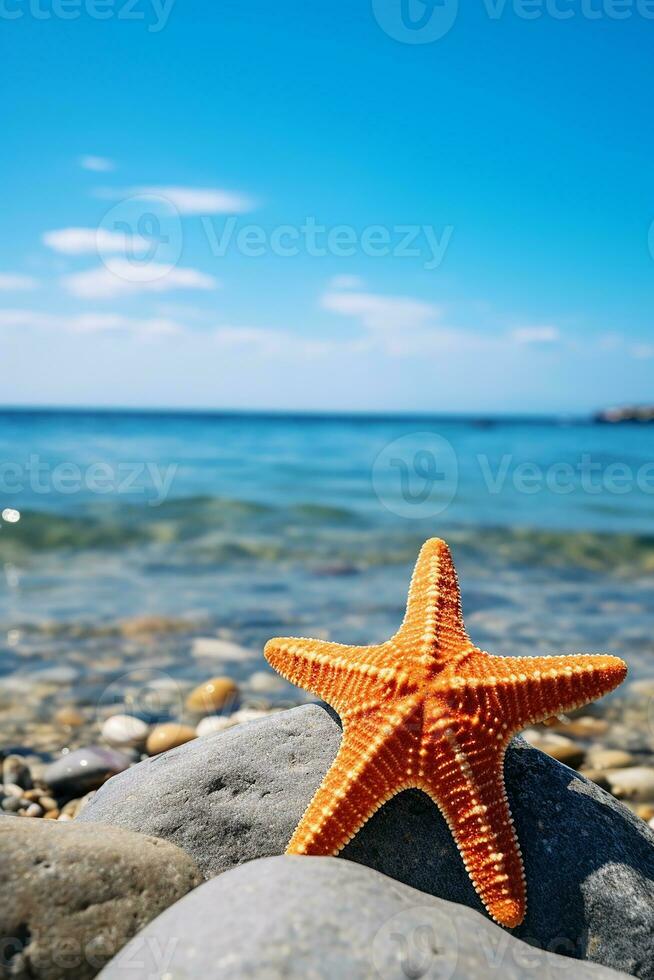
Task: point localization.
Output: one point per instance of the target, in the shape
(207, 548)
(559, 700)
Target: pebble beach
(133, 633)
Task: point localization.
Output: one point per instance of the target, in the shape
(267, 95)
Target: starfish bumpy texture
(428, 709)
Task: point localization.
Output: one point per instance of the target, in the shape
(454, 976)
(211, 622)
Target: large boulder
(72, 895)
(235, 796)
(297, 917)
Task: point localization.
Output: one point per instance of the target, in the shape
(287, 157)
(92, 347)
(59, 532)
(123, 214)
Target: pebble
(264, 680)
(12, 804)
(248, 714)
(209, 646)
(584, 727)
(214, 723)
(83, 769)
(11, 789)
(598, 757)
(635, 783)
(125, 731)
(556, 746)
(168, 736)
(74, 807)
(69, 717)
(14, 771)
(213, 695)
(145, 626)
(33, 810)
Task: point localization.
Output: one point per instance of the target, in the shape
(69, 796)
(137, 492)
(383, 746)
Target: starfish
(428, 709)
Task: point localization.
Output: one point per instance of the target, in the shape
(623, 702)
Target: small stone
(213, 695)
(60, 675)
(244, 715)
(12, 804)
(645, 811)
(584, 727)
(264, 680)
(214, 723)
(146, 626)
(74, 807)
(51, 815)
(556, 746)
(14, 771)
(69, 718)
(600, 758)
(33, 810)
(76, 772)
(11, 789)
(48, 803)
(209, 646)
(125, 731)
(168, 736)
(635, 783)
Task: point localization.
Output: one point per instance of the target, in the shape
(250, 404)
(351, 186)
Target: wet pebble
(125, 731)
(599, 757)
(214, 723)
(69, 717)
(213, 695)
(168, 736)
(16, 772)
(264, 680)
(210, 646)
(84, 769)
(635, 783)
(557, 746)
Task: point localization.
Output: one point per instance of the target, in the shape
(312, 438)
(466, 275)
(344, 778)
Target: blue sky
(480, 204)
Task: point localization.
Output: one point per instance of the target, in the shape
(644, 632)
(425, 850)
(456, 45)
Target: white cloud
(98, 164)
(271, 342)
(89, 323)
(345, 282)
(642, 352)
(378, 312)
(96, 241)
(190, 200)
(119, 277)
(15, 281)
(544, 334)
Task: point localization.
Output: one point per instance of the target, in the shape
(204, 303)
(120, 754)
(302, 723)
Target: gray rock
(84, 769)
(71, 896)
(309, 918)
(237, 795)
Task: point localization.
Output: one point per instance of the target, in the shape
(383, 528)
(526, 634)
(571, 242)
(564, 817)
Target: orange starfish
(428, 709)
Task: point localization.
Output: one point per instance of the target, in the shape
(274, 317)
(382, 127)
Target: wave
(206, 530)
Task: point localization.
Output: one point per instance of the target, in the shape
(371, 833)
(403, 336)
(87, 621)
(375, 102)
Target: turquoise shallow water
(249, 526)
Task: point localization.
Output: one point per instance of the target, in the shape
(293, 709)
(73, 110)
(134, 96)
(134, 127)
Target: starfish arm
(370, 767)
(433, 622)
(520, 691)
(467, 784)
(333, 671)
